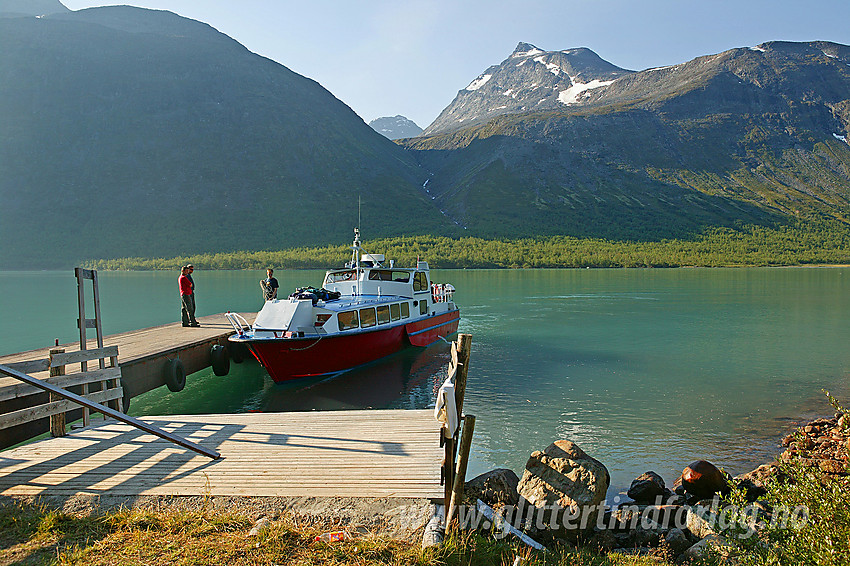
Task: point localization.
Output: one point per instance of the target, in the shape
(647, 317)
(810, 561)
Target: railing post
(57, 421)
(460, 474)
(464, 346)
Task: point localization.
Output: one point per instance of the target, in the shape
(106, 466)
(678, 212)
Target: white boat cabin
(359, 298)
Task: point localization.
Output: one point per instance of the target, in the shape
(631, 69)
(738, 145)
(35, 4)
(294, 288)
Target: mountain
(530, 79)
(15, 8)
(750, 135)
(395, 127)
(127, 131)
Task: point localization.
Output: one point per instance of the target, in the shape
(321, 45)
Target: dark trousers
(188, 310)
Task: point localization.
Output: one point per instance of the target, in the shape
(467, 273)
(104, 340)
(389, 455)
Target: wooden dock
(143, 357)
(387, 453)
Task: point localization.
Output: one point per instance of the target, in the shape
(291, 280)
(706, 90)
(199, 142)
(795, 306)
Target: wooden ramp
(388, 453)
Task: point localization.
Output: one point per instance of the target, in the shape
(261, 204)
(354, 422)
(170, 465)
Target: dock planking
(137, 346)
(143, 357)
(374, 453)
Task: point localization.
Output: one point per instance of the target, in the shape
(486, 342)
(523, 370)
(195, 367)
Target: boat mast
(355, 257)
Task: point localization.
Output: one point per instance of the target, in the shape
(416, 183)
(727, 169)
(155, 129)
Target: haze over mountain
(395, 127)
(133, 132)
(10, 8)
(128, 131)
(750, 135)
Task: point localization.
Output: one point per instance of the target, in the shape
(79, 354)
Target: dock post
(460, 474)
(57, 421)
(464, 346)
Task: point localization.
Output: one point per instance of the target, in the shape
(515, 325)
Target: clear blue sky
(388, 57)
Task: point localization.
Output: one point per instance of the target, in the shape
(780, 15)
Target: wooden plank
(83, 356)
(265, 454)
(21, 416)
(32, 366)
(63, 381)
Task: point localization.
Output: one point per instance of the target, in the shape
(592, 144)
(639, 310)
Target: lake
(644, 369)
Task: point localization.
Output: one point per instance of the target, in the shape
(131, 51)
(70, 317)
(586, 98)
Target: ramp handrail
(238, 322)
(117, 415)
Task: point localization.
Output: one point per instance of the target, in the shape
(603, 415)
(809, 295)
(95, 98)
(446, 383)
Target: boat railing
(238, 322)
(442, 292)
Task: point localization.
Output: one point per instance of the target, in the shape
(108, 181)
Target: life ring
(175, 375)
(219, 360)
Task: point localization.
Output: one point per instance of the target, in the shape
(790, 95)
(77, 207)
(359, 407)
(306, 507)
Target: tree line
(799, 243)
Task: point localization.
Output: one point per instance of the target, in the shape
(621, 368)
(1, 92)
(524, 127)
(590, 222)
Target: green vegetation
(824, 538)
(797, 244)
(33, 535)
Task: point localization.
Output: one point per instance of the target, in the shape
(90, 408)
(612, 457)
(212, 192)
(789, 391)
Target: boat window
(423, 307)
(338, 276)
(347, 320)
(367, 318)
(383, 314)
(387, 275)
(420, 282)
(405, 310)
(395, 313)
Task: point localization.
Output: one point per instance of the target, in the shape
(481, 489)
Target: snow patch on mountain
(528, 53)
(554, 68)
(578, 90)
(479, 82)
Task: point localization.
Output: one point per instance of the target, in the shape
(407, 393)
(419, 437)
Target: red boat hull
(293, 358)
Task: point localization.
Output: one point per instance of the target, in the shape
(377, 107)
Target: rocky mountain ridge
(530, 79)
(750, 135)
(395, 127)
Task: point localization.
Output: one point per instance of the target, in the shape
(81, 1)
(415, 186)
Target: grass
(32, 534)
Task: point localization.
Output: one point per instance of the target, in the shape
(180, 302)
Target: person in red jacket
(187, 298)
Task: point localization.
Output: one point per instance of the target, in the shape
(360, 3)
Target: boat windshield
(337, 276)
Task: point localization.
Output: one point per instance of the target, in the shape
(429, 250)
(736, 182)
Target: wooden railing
(99, 386)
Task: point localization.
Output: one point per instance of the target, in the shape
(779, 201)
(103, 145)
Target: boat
(364, 311)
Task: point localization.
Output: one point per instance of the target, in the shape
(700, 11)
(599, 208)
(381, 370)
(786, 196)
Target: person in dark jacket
(269, 286)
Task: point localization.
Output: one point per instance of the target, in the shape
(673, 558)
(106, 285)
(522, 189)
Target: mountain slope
(15, 8)
(529, 80)
(745, 136)
(135, 132)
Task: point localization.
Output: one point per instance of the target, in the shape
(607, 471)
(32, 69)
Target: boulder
(703, 479)
(701, 521)
(712, 544)
(603, 540)
(496, 488)
(753, 483)
(566, 488)
(647, 487)
(677, 541)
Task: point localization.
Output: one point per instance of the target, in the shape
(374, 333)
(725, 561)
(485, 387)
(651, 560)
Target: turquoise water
(644, 369)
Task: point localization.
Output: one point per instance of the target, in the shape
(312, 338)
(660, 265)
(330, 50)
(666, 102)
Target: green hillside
(126, 131)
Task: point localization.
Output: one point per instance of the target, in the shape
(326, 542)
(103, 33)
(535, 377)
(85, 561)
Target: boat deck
(386, 453)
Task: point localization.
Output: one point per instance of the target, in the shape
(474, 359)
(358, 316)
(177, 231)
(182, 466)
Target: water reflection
(406, 380)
